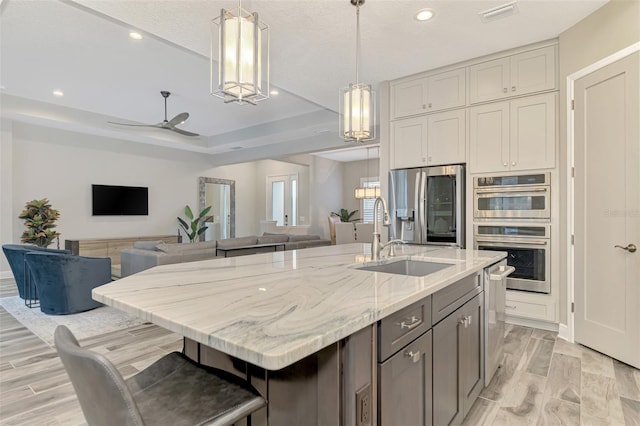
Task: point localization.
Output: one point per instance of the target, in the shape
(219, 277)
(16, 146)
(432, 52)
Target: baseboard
(5, 275)
(564, 333)
(526, 322)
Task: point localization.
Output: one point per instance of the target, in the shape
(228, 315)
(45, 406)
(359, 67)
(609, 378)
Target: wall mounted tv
(108, 200)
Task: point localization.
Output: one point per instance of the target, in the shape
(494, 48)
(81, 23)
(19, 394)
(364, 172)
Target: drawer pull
(466, 321)
(415, 356)
(414, 321)
(510, 306)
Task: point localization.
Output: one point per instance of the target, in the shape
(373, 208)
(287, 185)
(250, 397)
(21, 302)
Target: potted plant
(40, 220)
(345, 215)
(196, 227)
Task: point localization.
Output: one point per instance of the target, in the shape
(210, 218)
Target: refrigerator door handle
(416, 206)
(423, 206)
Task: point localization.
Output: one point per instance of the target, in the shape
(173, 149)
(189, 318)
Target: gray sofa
(147, 254)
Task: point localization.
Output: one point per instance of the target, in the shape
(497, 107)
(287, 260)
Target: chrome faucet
(376, 247)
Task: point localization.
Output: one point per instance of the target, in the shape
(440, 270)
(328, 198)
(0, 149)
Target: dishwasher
(495, 293)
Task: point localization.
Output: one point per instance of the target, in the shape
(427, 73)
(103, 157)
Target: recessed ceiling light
(274, 92)
(136, 36)
(424, 14)
(58, 93)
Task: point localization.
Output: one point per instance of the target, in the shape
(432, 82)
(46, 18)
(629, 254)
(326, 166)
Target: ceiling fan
(166, 124)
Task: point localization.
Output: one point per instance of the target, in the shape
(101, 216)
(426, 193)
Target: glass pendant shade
(367, 192)
(242, 71)
(358, 113)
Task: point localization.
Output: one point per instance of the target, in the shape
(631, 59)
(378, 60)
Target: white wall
(6, 189)
(353, 171)
(39, 162)
(609, 29)
(61, 166)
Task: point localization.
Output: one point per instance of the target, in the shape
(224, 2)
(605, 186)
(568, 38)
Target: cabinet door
(446, 137)
(408, 142)
(405, 396)
(447, 398)
(489, 80)
(489, 138)
(533, 132)
(472, 352)
(408, 98)
(447, 90)
(533, 71)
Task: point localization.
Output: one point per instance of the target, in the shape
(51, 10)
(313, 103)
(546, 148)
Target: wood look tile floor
(543, 380)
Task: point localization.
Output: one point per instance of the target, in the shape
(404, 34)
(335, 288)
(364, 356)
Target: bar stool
(172, 391)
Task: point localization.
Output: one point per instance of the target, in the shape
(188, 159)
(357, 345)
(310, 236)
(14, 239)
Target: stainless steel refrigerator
(427, 205)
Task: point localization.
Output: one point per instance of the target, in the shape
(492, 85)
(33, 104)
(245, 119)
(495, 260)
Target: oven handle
(515, 244)
(503, 190)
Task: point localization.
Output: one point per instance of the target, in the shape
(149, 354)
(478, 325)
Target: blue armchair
(64, 282)
(15, 256)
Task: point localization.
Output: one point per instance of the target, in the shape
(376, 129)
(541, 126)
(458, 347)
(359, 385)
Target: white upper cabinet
(409, 142)
(489, 138)
(513, 135)
(426, 94)
(527, 72)
(489, 81)
(429, 140)
(446, 138)
(533, 132)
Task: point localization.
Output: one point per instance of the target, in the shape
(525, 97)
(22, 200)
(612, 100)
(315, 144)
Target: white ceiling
(83, 49)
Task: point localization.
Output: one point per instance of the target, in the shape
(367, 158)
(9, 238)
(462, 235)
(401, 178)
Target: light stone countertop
(274, 309)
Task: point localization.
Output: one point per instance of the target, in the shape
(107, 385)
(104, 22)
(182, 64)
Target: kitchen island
(302, 325)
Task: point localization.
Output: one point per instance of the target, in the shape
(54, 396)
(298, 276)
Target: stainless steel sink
(415, 268)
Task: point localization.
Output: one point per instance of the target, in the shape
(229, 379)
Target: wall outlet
(363, 406)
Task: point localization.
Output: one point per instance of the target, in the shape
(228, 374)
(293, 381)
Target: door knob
(631, 248)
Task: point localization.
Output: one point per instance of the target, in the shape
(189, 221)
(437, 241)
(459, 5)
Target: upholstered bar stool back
(172, 391)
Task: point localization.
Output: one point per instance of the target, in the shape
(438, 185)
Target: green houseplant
(196, 227)
(345, 215)
(40, 219)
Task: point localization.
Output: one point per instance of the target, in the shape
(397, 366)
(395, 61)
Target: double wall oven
(512, 214)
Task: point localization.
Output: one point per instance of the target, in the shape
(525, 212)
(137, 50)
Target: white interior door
(282, 199)
(607, 210)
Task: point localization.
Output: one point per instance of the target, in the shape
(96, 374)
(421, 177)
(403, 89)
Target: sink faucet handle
(392, 245)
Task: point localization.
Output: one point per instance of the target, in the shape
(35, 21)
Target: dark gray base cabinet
(405, 385)
(458, 360)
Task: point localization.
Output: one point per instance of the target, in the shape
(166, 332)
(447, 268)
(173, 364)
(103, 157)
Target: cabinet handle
(513, 88)
(429, 105)
(429, 159)
(504, 90)
(424, 106)
(513, 163)
(424, 159)
(510, 306)
(469, 320)
(415, 356)
(413, 323)
(465, 321)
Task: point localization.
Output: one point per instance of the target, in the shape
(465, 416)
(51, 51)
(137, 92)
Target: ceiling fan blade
(134, 125)
(178, 119)
(183, 132)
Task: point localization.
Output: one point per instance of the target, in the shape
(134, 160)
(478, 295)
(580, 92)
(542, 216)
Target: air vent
(499, 12)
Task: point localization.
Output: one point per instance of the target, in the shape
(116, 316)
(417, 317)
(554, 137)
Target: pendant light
(357, 102)
(241, 74)
(366, 191)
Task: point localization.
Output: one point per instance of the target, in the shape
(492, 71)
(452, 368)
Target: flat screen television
(109, 200)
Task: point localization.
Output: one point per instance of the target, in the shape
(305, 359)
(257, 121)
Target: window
(366, 204)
